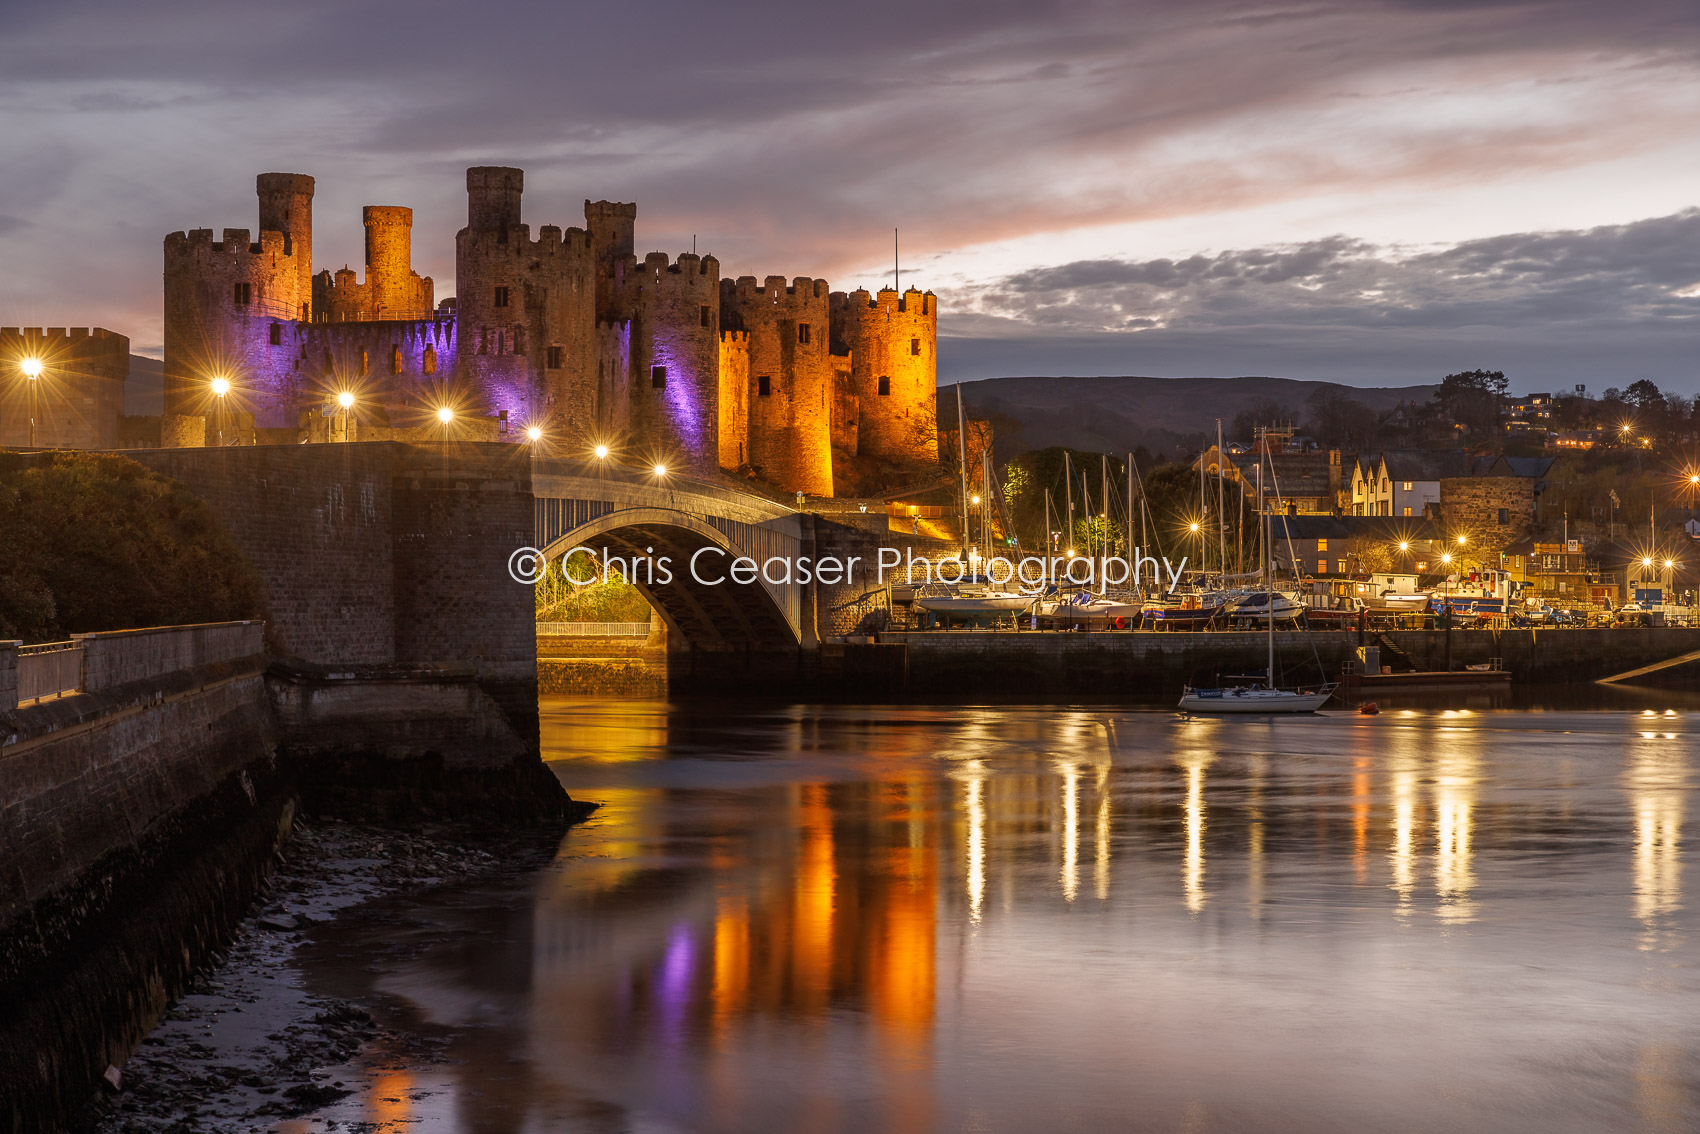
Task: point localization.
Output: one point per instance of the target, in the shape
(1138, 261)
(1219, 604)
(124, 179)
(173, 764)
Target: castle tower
(790, 387)
(397, 291)
(286, 206)
(525, 316)
(611, 226)
(232, 307)
(492, 197)
(893, 344)
(675, 360)
(734, 399)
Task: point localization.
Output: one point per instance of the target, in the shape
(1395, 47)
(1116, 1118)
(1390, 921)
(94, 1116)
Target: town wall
(1492, 512)
(79, 394)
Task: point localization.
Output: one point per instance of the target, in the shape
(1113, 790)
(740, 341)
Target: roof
(1425, 464)
(1530, 468)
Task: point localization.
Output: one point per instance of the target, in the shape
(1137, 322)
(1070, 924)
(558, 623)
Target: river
(844, 918)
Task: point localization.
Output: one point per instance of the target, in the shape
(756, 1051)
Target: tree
(1475, 400)
(1256, 416)
(1644, 395)
(1337, 419)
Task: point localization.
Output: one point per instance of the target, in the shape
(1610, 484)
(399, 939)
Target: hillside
(1117, 415)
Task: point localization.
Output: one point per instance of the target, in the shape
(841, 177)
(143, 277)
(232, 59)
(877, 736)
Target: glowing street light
(1646, 561)
(1462, 540)
(445, 414)
(345, 399)
(660, 470)
(975, 499)
(220, 387)
(1193, 527)
(32, 370)
(533, 434)
(602, 452)
(1404, 545)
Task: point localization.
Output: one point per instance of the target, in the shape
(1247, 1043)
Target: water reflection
(885, 919)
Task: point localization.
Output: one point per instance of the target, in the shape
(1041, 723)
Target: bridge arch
(702, 614)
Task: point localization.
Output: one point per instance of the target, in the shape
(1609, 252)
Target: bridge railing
(593, 629)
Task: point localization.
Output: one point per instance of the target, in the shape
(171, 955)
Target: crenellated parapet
(892, 340)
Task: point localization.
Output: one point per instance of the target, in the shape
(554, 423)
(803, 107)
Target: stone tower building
(892, 340)
(674, 360)
(393, 290)
(660, 358)
(790, 387)
(525, 312)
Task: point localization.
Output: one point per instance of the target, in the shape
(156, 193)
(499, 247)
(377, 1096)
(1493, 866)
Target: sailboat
(1264, 698)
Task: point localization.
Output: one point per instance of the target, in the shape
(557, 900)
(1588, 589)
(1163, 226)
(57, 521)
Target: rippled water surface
(1025, 919)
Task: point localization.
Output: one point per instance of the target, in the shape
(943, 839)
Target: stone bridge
(392, 554)
(634, 515)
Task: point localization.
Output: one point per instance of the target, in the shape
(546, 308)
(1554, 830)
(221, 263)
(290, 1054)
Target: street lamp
(533, 434)
(602, 452)
(346, 401)
(660, 470)
(445, 414)
(220, 387)
(32, 370)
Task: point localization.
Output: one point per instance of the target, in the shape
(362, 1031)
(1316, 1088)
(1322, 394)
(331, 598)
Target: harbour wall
(1133, 664)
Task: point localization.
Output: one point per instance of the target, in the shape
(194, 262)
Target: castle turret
(286, 206)
(397, 291)
(675, 359)
(525, 315)
(893, 345)
(492, 197)
(611, 226)
(790, 388)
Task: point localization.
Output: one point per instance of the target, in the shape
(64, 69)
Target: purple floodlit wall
(675, 360)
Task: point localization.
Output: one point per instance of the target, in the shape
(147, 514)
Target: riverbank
(249, 1044)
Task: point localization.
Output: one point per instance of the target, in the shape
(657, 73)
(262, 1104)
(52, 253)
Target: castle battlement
(85, 342)
(914, 300)
(551, 240)
(236, 242)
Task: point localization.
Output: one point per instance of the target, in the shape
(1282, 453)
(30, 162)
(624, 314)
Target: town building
(1403, 483)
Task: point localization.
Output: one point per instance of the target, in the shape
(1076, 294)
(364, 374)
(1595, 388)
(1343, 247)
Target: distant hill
(144, 393)
(1117, 415)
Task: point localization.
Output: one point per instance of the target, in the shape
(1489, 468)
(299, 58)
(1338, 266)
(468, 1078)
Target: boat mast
(1104, 506)
(961, 459)
(1127, 513)
(1068, 495)
(1269, 611)
(1221, 512)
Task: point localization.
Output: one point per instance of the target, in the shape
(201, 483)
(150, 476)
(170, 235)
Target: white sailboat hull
(1253, 700)
(998, 604)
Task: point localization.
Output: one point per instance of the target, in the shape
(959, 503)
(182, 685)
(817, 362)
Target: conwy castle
(570, 334)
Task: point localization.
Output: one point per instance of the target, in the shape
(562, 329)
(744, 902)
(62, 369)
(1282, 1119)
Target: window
(1322, 566)
(764, 386)
(277, 334)
(1405, 486)
(1504, 517)
(1422, 565)
(395, 360)
(1407, 510)
(483, 341)
(915, 347)
(244, 294)
(365, 364)
(430, 360)
(702, 315)
(658, 377)
(1341, 567)
(885, 386)
(802, 332)
(554, 359)
(1322, 545)
(501, 297)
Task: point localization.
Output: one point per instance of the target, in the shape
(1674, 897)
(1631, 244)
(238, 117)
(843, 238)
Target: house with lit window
(1298, 483)
(1403, 483)
(1349, 546)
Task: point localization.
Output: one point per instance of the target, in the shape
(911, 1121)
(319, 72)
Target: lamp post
(220, 387)
(1446, 607)
(32, 371)
(346, 401)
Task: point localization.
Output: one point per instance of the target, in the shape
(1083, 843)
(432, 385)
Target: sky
(1376, 192)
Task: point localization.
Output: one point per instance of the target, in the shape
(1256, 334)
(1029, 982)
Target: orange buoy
(1368, 709)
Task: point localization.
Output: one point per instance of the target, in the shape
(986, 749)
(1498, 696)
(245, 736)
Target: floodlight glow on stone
(31, 368)
(221, 386)
(445, 414)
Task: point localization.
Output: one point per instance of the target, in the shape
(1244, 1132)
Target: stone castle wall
(1491, 512)
(565, 332)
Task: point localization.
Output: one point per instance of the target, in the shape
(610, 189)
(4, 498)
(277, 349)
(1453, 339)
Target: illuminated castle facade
(569, 333)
